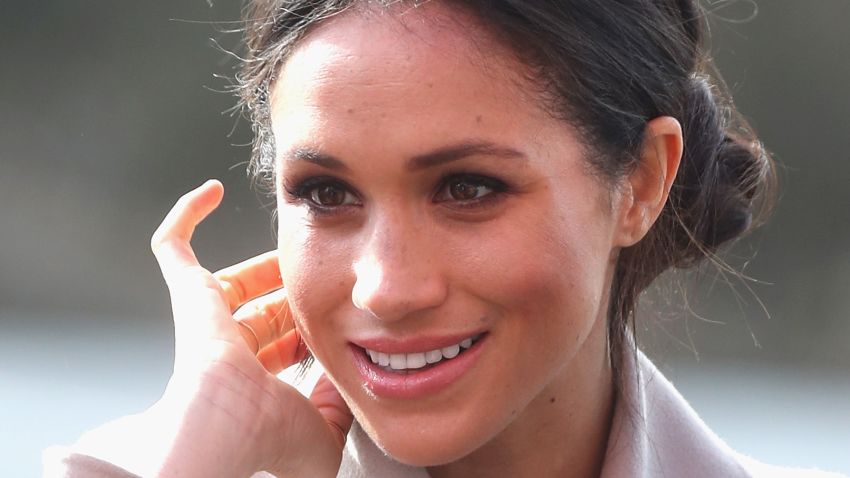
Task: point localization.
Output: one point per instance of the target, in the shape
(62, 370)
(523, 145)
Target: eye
(322, 194)
(331, 195)
(468, 188)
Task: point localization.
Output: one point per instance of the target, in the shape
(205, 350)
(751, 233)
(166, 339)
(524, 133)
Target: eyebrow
(431, 159)
(312, 156)
(463, 150)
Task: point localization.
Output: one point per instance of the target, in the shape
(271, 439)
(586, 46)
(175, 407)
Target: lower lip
(414, 383)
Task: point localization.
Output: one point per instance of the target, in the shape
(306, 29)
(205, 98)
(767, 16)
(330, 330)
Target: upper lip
(414, 344)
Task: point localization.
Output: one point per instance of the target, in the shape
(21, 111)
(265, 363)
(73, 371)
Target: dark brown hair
(606, 67)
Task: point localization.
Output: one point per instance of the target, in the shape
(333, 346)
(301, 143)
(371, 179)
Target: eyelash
(302, 192)
(497, 189)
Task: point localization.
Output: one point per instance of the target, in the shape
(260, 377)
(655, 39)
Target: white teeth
(433, 356)
(451, 351)
(398, 361)
(419, 359)
(416, 360)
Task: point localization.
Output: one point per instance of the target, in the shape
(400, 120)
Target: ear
(645, 190)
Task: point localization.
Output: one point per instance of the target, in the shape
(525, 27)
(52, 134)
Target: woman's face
(426, 201)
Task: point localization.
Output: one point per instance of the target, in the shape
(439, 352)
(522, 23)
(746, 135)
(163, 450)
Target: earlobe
(648, 185)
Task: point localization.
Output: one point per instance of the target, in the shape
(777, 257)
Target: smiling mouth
(419, 361)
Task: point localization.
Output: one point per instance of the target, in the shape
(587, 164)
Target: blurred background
(110, 110)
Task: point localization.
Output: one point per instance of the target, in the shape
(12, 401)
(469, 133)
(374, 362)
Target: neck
(562, 432)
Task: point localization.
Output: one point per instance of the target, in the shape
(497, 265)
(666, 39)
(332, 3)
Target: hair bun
(735, 195)
(720, 178)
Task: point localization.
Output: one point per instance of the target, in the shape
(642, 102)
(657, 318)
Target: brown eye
(468, 190)
(465, 191)
(328, 195)
(322, 195)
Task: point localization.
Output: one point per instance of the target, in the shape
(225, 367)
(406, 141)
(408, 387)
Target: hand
(223, 412)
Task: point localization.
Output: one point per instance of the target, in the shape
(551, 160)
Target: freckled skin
(533, 268)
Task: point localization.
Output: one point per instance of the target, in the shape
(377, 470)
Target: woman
(471, 196)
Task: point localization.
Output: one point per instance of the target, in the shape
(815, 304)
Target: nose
(396, 273)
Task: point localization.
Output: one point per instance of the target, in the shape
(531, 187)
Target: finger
(170, 242)
(330, 404)
(249, 336)
(265, 320)
(195, 294)
(314, 448)
(283, 352)
(249, 279)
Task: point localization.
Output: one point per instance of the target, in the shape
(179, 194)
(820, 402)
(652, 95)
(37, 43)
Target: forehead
(400, 69)
(379, 47)
(372, 47)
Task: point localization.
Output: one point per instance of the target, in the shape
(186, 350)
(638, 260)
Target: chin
(427, 441)
(423, 452)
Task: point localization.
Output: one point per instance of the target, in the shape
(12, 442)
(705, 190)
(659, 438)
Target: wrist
(218, 425)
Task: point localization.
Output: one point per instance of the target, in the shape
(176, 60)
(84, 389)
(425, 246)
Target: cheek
(535, 256)
(548, 274)
(316, 274)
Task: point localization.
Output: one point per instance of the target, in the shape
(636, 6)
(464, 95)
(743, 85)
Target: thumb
(333, 408)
